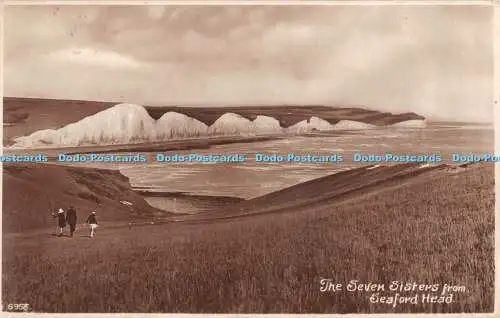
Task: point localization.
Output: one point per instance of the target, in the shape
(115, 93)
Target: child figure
(61, 221)
(92, 222)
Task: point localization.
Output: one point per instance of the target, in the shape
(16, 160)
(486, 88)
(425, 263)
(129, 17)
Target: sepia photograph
(248, 159)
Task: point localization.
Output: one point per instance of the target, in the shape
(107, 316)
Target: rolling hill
(31, 192)
(434, 227)
(334, 189)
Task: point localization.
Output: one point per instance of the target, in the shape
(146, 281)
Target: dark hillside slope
(334, 187)
(32, 191)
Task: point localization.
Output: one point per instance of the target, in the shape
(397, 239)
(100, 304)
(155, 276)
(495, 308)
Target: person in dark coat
(71, 219)
(92, 222)
(61, 219)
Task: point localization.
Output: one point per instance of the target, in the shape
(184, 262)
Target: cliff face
(290, 115)
(31, 192)
(23, 116)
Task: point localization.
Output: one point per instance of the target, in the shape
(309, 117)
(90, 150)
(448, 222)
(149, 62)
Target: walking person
(71, 219)
(56, 222)
(92, 222)
(61, 220)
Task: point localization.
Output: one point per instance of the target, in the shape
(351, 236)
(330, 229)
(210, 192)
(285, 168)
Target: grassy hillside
(434, 228)
(339, 186)
(32, 191)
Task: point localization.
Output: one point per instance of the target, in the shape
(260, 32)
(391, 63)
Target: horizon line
(196, 105)
(152, 105)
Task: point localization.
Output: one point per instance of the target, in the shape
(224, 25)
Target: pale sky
(433, 60)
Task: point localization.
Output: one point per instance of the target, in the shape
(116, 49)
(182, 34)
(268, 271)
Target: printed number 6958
(18, 307)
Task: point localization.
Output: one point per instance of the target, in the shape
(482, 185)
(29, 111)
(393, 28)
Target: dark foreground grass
(434, 230)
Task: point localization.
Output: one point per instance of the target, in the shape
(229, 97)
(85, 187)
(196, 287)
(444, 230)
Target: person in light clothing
(61, 221)
(92, 222)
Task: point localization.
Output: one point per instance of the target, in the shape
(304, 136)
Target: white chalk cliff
(130, 123)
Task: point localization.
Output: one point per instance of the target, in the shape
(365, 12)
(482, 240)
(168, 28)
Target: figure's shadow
(57, 235)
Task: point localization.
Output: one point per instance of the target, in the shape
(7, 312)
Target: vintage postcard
(248, 158)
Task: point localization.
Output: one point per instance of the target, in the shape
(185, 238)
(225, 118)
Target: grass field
(436, 228)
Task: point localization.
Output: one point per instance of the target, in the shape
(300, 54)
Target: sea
(250, 179)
